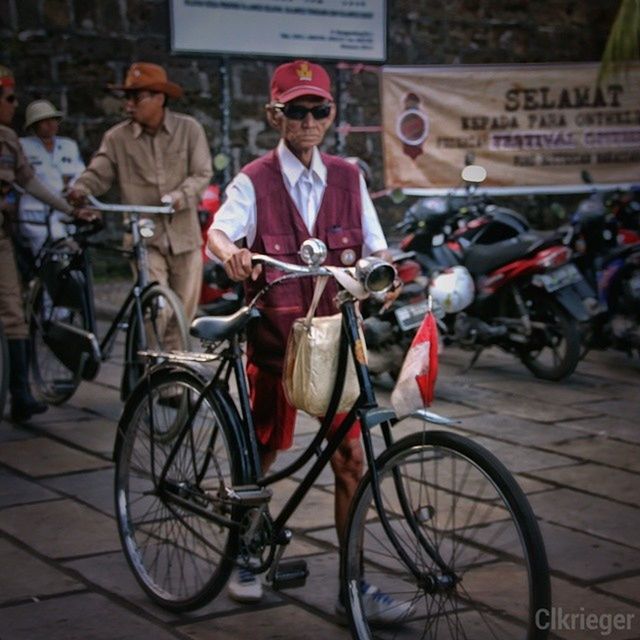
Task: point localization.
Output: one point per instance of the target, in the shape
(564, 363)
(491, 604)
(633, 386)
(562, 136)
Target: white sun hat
(40, 110)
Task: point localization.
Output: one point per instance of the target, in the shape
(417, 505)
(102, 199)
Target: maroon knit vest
(280, 232)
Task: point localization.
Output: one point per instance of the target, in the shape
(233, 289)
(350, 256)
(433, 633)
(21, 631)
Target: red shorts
(274, 418)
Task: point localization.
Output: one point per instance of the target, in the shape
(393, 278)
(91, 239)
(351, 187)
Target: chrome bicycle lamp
(375, 275)
(313, 252)
(147, 228)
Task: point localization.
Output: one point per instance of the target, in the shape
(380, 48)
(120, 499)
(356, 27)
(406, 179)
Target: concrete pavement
(574, 447)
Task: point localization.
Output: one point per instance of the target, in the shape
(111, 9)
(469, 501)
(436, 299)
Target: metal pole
(341, 135)
(225, 116)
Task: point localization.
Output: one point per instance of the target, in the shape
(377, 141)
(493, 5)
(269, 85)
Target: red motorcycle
(219, 295)
(521, 294)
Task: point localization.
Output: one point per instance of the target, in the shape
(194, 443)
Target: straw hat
(40, 110)
(152, 77)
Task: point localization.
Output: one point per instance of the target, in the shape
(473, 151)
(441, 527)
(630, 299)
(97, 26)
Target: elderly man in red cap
(15, 168)
(274, 204)
(157, 156)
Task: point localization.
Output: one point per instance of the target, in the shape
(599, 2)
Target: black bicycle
(63, 326)
(438, 523)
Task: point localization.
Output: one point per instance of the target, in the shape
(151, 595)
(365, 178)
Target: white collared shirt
(52, 168)
(237, 215)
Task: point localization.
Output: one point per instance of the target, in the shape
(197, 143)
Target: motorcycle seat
(480, 259)
(214, 328)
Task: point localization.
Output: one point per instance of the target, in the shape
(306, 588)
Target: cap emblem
(304, 72)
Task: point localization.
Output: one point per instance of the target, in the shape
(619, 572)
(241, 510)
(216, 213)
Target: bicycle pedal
(249, 494)
(290, 574)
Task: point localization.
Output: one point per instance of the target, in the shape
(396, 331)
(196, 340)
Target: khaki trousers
(11, 306)
(183, 274)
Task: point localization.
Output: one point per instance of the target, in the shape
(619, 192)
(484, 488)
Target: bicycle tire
(4, 370)
(490, 566)
(53, 380)
(161, 310)
(179, 557)
(552, 353)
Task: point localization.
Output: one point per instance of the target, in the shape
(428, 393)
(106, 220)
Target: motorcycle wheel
(554, 346)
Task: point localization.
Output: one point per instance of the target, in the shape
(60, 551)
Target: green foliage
(623, 44)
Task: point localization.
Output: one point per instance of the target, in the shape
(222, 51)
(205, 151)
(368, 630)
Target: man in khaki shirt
(157, 156)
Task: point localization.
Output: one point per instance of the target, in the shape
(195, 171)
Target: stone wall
(68, 50)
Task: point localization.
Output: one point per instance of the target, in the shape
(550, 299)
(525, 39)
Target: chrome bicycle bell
(313, 252)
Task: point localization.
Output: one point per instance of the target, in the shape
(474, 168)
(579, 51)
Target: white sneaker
(244, 586)
(379, 607)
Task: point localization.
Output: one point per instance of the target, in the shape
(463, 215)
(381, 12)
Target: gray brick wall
(68, 50)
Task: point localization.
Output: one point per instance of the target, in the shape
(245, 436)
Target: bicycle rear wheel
(474, 562)
(178, 552)
(165, 328)
(55, 381)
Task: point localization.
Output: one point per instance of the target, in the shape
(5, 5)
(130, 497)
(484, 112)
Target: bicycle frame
(365, 410)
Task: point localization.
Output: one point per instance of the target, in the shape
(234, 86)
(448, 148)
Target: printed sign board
(528, 125)
(337, 29)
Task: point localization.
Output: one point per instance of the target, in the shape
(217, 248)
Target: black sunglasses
(298, 112)
(10, 99)
(138, 95)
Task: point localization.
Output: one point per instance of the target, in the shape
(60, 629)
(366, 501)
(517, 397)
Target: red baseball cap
(300, 78)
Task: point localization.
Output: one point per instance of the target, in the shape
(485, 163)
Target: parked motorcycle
(219, 296)
(521, 293)
(606, 243)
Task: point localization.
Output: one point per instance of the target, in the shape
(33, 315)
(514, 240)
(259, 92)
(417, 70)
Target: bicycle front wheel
(455, 553)
(175, 523)
(164, 328)
(55, 363)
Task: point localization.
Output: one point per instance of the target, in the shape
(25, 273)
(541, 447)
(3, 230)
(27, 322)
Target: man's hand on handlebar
(86, 214)
(238, 266)
(75, 197)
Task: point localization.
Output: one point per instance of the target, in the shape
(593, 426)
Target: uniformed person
(56, 161)
(15, 168)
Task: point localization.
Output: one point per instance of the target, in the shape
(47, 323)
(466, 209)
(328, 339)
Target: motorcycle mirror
(397, 196)
(474, 173)
(586, 177)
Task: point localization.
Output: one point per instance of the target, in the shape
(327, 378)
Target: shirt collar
(293, 169)
(168, 124)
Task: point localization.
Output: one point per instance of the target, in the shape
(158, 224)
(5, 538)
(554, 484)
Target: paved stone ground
(574, 447)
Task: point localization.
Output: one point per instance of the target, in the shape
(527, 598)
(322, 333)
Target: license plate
(560, 278)
(411, 315)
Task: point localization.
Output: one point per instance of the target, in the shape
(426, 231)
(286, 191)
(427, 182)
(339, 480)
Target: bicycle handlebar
(287, 267)
(129, 208)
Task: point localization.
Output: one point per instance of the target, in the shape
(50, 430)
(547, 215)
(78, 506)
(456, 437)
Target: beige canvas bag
(311, 361)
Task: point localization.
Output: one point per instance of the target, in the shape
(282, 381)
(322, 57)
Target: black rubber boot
(23, 404)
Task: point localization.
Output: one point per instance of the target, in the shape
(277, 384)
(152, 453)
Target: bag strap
(321, 283)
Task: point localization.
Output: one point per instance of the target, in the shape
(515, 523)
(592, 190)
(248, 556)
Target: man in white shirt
(275, 203)
(56, 162)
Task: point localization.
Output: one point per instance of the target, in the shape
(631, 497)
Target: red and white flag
(416, 382)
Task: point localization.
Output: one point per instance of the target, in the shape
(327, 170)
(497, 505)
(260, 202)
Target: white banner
(532, 126)
(338, 29)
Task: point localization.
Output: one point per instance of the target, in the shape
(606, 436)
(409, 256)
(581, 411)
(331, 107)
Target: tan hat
(40, 110)
(152, 77)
